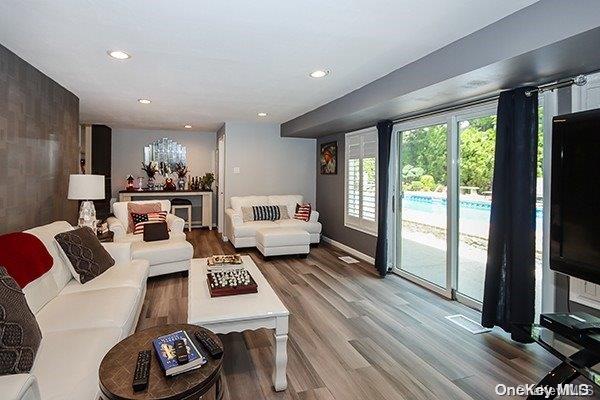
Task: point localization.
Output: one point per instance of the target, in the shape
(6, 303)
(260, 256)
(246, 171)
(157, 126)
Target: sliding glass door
(476, 136)
(423, 214)
(445, 169)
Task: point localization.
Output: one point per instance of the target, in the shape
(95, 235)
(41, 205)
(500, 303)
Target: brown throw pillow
(137, 208)
(20, 334)
(86, 255)
(156, 231)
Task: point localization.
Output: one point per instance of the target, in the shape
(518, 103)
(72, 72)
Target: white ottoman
(282, 241)
(164, 256)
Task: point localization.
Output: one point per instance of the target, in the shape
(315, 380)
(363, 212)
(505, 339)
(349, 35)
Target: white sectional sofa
(244, 234)
(79, 322)
(165, 256)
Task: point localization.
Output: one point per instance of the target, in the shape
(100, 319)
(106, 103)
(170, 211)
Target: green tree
(426, 148)
(369, 170)
(424, 151)
(477, 144)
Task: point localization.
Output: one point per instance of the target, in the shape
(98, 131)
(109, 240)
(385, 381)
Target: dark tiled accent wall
(39, 146)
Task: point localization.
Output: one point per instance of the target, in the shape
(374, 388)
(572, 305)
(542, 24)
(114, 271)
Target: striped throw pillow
(264, 213)
(302, 212)
(140, 220)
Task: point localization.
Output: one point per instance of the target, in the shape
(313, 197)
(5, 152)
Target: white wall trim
(349, 250)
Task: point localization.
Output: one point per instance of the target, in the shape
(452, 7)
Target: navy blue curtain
(384, 138)
(509, 293)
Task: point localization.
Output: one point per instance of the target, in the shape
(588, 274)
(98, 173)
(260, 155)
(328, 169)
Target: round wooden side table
(117, 367)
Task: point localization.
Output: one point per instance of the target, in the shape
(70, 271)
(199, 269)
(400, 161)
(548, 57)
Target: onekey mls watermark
(546, 392)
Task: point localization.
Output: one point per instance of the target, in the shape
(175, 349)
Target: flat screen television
(575, 195)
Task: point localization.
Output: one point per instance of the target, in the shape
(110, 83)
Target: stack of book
(165, 350)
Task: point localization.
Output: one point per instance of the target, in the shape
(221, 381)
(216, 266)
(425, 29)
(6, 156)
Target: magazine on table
(165, 351)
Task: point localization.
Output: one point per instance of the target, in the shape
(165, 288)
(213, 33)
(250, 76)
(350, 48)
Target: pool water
(470, 210)
(424, 245)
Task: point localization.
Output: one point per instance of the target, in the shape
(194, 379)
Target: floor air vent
(348, 259)
(467, 323)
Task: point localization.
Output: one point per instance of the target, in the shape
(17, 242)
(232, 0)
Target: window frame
(359, 223)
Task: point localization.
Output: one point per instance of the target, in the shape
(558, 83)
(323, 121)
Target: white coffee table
(240, 312)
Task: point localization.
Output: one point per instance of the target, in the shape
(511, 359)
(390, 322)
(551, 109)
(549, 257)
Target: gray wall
(39, 146)
(268, 164)
(330, 203)
(127, 156)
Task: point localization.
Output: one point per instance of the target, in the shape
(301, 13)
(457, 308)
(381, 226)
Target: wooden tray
(252, 287)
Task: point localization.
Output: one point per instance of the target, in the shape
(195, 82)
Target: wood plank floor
(354, 335)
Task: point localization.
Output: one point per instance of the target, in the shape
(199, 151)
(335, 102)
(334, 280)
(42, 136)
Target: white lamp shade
(86, 187)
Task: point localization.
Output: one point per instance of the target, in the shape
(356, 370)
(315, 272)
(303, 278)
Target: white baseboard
(349, 250)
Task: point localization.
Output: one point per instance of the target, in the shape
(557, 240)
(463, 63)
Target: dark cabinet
(101, 165)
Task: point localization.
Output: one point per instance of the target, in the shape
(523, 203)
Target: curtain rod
(579, 80)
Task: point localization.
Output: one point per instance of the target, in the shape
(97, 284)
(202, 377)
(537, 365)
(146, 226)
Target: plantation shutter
(361, 180)
(353, 155)
(369, 181)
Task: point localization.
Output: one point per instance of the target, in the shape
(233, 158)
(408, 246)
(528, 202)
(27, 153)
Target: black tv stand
(570, 324)
(561, 334)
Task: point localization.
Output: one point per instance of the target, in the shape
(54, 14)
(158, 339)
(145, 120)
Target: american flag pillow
(302, 212)
(139, 220)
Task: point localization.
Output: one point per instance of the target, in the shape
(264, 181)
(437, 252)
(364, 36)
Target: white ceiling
(204, 62)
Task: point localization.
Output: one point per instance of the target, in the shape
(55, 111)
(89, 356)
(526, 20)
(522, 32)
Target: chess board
(216, 290)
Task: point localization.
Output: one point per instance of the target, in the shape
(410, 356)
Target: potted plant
(151, 169)
(181, 171)
(207, 180)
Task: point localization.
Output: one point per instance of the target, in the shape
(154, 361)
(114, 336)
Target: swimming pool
(471, 209)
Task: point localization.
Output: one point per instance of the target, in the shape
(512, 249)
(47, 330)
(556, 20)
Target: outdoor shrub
(410, 172)
(416, 186)
(428, 182)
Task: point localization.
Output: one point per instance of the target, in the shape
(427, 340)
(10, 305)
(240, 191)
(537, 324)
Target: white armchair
(164, 256)
(118, 223)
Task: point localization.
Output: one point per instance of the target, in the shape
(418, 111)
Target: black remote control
(209, 344)
(142, 371)
(181, 352)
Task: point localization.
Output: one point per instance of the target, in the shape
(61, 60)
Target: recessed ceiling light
(144, 101)
(187, 126)
(118, 55)
(262, 114)
(320, 73)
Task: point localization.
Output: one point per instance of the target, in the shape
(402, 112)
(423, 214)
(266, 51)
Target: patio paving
(425, 257)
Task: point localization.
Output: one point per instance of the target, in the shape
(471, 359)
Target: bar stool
(185, 204)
